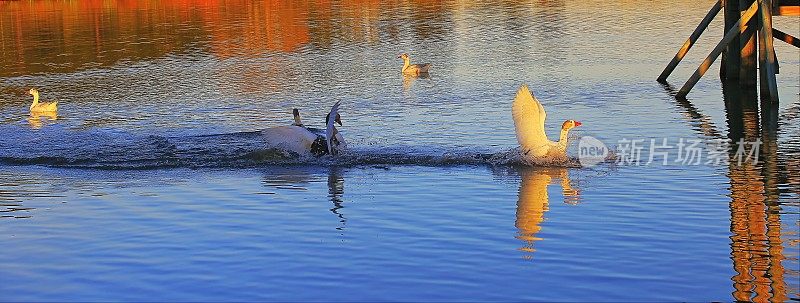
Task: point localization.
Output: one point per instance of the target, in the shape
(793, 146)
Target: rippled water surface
(153, 182)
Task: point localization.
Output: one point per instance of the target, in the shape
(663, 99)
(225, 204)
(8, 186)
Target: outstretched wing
(529, 118)
(330, 129)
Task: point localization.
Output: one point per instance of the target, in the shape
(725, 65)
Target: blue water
(153, 183)
(406, 233)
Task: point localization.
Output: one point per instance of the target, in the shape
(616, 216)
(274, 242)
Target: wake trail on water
(111, 150)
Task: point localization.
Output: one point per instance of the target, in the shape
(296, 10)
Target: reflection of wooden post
(769, 147)
(770, 170)
(769, 138)
(690, 42)
(747, 48)
(776, 271)
(747, 199)
(756, 244)
(730, 58)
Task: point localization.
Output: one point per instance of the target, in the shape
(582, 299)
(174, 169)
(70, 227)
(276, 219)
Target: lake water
(153, 184)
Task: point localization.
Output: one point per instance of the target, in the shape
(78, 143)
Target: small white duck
(43, 107)
(529, 116)
(413, 69)
(303, 140)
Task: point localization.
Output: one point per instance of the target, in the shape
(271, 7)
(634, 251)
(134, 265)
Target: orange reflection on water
(35, 119)
(533, 201)
(755, 243)
(759, 246)
(269, 25)
(55, 36)
(757, 249)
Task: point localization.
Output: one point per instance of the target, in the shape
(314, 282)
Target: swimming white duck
(413, 69)
(302, 140)
(529, 116)
(43, 107)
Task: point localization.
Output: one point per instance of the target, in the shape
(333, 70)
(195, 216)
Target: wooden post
(748, 14)
(762, 59)
(747, 48)
(777, 65)
(690, 42)
(729, 69)
(769, 88)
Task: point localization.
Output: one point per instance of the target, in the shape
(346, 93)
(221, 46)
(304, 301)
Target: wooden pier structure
(748, 60)
(747, 49)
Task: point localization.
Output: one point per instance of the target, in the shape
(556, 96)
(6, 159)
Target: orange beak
(577, 124)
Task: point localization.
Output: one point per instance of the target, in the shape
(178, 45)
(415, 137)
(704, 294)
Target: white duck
(413, 69)
(529, 116)
(302, 140)
(41, 107)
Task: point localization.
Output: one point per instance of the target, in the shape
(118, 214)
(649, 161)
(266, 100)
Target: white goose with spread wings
(529, 116)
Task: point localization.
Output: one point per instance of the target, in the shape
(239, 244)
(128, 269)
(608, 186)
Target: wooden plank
(766, 32)
(748, 14)
(786, 10)
(778, 34)
(690, 42)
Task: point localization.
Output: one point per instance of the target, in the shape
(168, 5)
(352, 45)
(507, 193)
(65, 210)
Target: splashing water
(102, 150)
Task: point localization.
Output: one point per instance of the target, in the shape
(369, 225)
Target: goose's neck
(406, 63)
(563, 137)
(35, 99)
(332, 148)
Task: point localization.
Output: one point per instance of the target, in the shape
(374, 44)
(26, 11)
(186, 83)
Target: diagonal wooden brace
(746, 16)
(690, 42)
